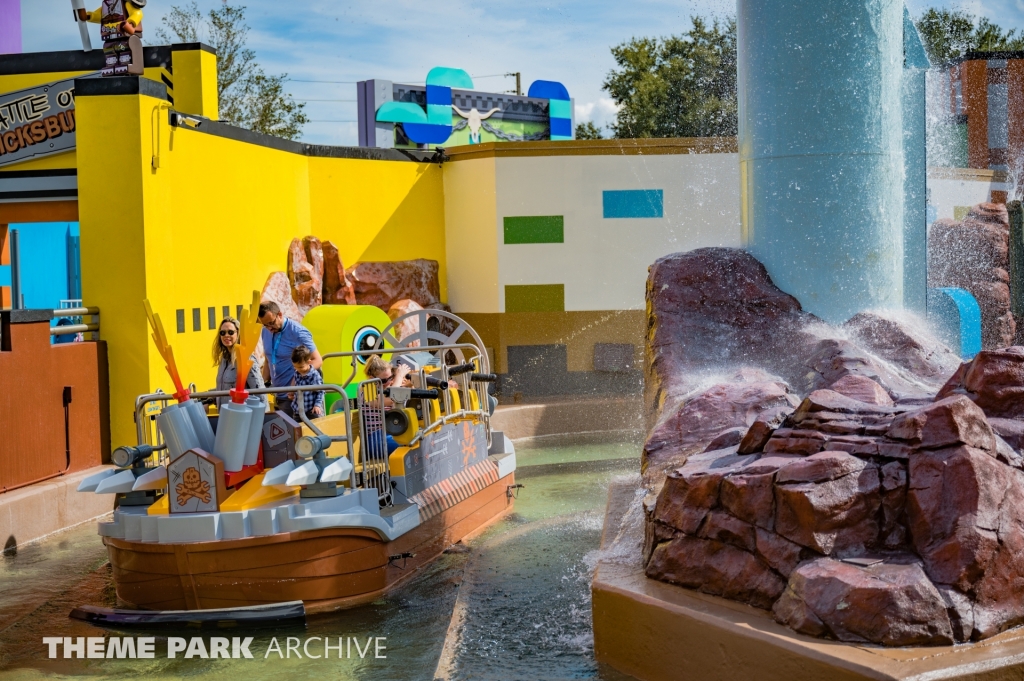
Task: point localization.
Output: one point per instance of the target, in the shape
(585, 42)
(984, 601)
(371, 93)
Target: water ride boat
(249, 507)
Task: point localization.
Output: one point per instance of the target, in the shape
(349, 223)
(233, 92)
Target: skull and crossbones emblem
(192, 486)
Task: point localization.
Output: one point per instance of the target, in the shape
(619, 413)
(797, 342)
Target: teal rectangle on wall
(535, 229)
(634, 203)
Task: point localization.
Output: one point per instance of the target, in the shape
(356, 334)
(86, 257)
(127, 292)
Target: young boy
(308, 402)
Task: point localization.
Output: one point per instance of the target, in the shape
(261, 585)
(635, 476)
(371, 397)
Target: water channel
(512, 603)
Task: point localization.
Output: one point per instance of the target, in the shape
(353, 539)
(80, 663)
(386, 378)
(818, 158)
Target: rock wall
(316, 276)
(974, 255)
(714, 316)
(857, 480)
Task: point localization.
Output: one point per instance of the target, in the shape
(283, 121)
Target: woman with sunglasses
(224, 350)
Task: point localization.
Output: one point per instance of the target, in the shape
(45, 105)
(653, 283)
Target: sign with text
(37, 122)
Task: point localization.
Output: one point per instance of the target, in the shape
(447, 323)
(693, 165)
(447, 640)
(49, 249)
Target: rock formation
(883, 507)
(337, 290)
(306, 272)
(385, 283)
(279, 290)
(974, 255)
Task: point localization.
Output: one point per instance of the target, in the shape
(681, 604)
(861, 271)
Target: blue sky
(400, 40)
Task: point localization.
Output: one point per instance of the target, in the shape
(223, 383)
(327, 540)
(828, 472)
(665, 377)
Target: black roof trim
(79, 60)
(232, 132)
(120, 85)
(188, 47)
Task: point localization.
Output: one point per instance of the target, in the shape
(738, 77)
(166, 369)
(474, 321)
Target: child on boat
(308, 402)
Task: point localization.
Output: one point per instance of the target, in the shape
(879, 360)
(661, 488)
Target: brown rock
(894, 501)
(953, 420)
(820, 467)
(781, 554)
(715, 568)
(974, 255)
(1010, 430)
(831, 359)
(960, 611)
(761, 429)
(409, 326)
(279, 290)
(692, 491)
(750, 494)
(905, 343)
(385, 283)
(953, 512)
(994, 380)
(712, 306)
(836, 515)
(862, 389)
(703, 416)
(336, 289)
(730, 437)
(836, 403)
(999, 593)
(890, 604)
(306, 272)
(721, 526)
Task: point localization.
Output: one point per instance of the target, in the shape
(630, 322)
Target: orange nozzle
(165, 350)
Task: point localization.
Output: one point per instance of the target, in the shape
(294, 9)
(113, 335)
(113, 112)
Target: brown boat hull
(328, 569)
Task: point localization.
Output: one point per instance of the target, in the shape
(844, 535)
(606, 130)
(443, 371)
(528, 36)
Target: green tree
(950, 34)
(249, 98)
(588, 131)
(680, 86)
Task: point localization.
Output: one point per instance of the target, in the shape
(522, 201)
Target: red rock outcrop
(279, 290)
(385, 283)
(973, 255)
(698, 419)
(306, 272)
(890, 603)
(875, 511)
(336, 289)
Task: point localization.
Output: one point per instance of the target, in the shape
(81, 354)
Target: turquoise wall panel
(634, 203)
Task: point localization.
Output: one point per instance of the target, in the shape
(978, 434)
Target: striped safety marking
(458, 487)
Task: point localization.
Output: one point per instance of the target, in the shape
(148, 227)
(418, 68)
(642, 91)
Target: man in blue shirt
(280, 337)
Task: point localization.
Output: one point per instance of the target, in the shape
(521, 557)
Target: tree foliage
(588, 131)
(950, 34)
(249, 98)
(680, 86)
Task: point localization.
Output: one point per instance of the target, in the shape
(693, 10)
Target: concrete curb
(32, 513)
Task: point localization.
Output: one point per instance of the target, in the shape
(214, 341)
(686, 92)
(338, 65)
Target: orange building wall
(33, 374)
(974, 81)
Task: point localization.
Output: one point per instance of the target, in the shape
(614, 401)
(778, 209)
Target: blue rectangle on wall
(634, 203)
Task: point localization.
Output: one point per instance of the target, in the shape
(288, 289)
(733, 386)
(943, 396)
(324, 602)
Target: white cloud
(601, 113)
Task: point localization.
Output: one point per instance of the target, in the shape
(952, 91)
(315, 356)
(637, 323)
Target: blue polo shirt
(278, 349)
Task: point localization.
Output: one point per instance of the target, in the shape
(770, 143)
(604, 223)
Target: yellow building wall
(195, 220)
(379, 210)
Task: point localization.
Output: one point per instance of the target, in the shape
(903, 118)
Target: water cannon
(309, 446)
(128, 457)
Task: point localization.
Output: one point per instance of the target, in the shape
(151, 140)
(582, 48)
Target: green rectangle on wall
(535, 298)
(535, 229)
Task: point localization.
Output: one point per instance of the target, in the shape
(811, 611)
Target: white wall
(947, 192)
(603, 262)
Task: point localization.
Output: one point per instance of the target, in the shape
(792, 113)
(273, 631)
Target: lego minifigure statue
(120, 27)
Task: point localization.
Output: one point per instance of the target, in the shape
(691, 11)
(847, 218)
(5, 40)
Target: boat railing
(478, 387)
(373, 438)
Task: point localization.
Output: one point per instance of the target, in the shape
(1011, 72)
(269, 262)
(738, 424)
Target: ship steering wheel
(424, 338)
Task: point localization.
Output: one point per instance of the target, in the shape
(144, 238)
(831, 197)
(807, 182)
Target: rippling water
(513, 604)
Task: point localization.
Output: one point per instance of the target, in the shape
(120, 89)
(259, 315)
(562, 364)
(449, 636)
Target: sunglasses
(225, 332)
